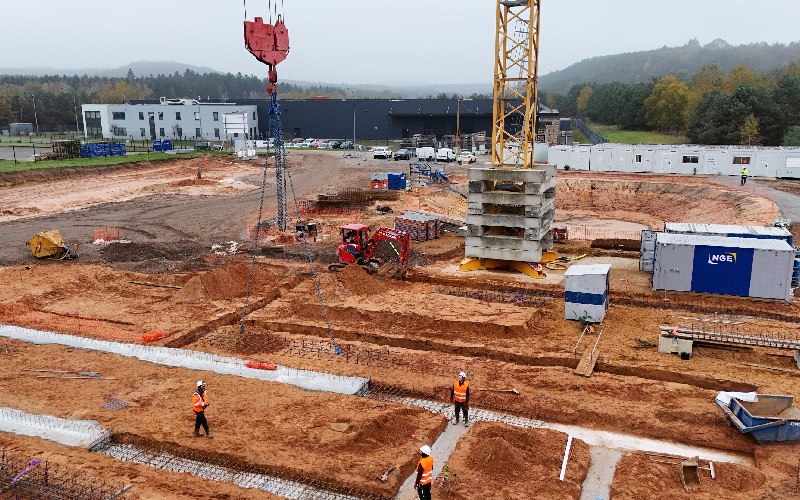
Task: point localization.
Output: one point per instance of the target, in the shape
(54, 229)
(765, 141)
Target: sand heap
(357, 281)
(225, 284)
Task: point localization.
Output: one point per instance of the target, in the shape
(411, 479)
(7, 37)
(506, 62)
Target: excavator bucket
(49, 244)
(391, 270)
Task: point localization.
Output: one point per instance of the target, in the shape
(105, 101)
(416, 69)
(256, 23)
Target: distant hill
(683, 62)
(140, 68)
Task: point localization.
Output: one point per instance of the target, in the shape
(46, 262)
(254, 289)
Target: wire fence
(589, 133)
(593, 233)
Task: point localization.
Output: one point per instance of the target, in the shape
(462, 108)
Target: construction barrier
(152, 336)
(107, 234)
(261, 366)
(593, 233)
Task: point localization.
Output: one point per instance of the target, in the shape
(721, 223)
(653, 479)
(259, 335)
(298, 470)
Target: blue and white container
(758, 232)
(747, 267)
(586, 292)
(397, 180)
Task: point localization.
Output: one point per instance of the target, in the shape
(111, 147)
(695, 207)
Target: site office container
(758, 232)
(746, 267)
(396, 180)
(586, 292)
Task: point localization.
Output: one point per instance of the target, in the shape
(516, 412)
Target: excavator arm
(385, 233)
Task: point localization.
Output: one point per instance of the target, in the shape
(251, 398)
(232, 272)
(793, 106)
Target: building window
(638, 158)
(160, 115)
(118, 131)
(741, 160)
(196, 115)
(141, 115)
(177, 115)
(216, 116)
(179, 131)
(254, 115)
(141, 132)
(161, 132)
(216, 132)
(117, 115)
(197, 133)
(236, 134)
(691, 159)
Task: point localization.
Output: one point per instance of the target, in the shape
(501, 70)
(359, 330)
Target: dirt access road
(160, 205)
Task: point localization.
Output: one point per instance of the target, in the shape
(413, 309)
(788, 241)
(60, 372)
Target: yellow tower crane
(515, 83)
(510, 206)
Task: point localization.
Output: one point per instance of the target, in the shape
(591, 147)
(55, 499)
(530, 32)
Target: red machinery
(357, 247)
(268, 43)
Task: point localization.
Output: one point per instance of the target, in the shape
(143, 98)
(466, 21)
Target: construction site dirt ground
(410, 336)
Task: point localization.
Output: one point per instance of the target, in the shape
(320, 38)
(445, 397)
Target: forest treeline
(55, 101)
(740, 106)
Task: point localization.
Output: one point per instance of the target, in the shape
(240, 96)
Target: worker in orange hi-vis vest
(199, 405)
(459, 395)
(424, 474)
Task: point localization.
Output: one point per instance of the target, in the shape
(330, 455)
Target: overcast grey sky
(369, 41)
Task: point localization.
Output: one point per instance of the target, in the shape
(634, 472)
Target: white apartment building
(171, 119)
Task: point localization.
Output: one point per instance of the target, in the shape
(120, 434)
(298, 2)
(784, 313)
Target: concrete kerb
(194, 360)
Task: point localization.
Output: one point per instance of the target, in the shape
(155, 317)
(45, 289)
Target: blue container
(796, 273)
(396, 180)
(771, 419)
(166, 145)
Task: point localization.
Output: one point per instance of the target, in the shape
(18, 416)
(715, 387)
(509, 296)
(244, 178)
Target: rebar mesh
(225, 468)
(25, 478)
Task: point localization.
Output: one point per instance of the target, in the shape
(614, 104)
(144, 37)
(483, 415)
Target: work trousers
(424, 491)
(744, 180)
(464, 409)
(200, 419)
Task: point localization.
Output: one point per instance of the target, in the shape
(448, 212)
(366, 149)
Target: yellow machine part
(549, 256)
(46, 244)
(533, 270)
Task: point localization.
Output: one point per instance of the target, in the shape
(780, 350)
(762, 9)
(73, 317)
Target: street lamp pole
(458, 123)
(35, 116)
(353, 96)
(75, 102)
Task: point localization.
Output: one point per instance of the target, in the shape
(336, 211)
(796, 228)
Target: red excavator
(357, 247)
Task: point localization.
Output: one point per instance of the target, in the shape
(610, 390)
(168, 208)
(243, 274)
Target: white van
(425, 154)
(445, 154)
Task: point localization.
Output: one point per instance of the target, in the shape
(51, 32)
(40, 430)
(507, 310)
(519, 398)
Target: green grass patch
(9, 166)
(614, 134)
(579, 136)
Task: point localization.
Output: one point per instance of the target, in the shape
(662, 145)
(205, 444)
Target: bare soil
(505, 330)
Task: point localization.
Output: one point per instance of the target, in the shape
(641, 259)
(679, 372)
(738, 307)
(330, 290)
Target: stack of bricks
(418, 226)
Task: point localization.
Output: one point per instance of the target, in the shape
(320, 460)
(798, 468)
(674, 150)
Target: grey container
(758, 232)
(748, 267)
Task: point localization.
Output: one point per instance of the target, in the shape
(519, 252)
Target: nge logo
(727, 257)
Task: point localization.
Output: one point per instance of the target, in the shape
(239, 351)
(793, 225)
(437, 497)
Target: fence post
(14, 152)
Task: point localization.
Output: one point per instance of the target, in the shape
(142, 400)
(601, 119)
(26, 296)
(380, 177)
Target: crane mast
(515, 83)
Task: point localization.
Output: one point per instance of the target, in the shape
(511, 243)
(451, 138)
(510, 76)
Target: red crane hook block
(268, 43)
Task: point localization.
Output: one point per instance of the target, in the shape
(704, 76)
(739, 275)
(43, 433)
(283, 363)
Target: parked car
(467, 155)
(346, 145)
(382, 152)
(307, 143)
(202, 145)
(402, 154)
(445, 154)
(333, 144)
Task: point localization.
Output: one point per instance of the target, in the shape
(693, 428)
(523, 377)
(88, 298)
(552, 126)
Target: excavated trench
(485, 352)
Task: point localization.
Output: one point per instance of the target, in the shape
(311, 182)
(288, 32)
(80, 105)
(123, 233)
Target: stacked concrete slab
(510, 213)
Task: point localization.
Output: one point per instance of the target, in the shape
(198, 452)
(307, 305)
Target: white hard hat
(426, 450)
(200, 382)
(462, 375)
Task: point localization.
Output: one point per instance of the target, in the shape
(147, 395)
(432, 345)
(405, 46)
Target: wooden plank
(587, 362)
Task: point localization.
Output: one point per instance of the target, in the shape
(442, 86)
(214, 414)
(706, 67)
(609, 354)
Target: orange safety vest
(460, 391)
(427, 470)
(199, 402)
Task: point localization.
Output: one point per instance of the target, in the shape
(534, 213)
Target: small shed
(586, 292)
(20, 128)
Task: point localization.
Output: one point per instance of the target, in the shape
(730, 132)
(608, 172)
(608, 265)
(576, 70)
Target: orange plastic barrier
(152, 336)
(261, 366)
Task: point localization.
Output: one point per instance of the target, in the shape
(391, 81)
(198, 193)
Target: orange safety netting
(107, 233)
(152, 336)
